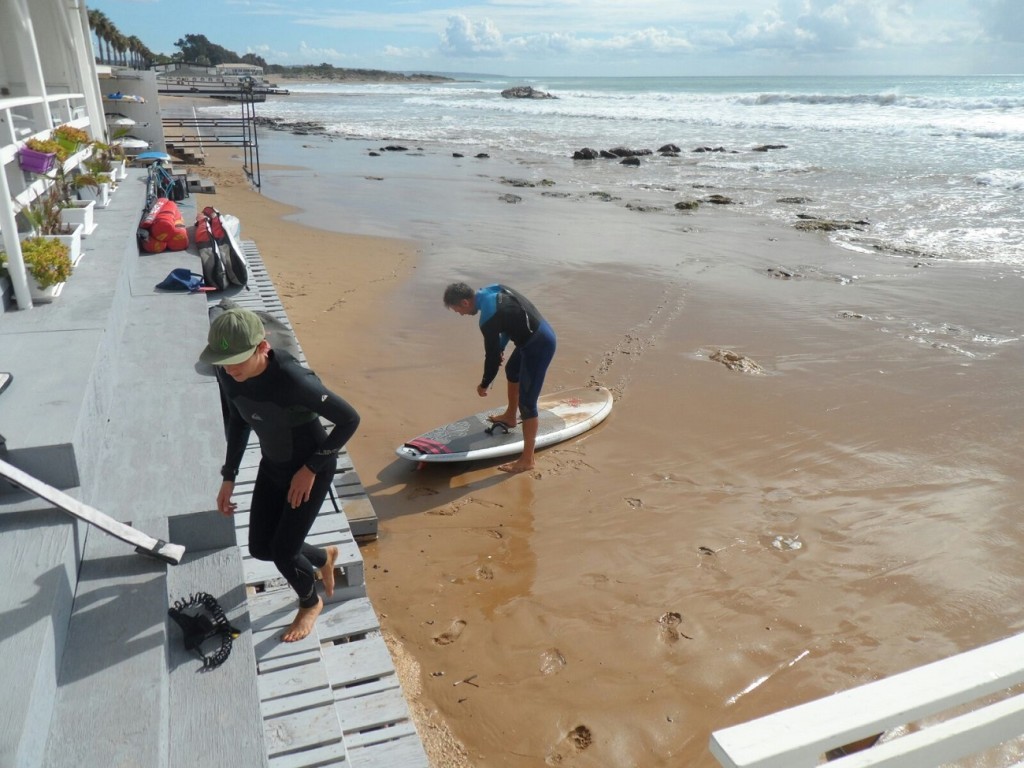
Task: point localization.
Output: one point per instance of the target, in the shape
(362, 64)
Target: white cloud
(465, 38)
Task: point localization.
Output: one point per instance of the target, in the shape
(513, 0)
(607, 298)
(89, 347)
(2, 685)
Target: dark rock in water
(710, 149)
(526, 92)
(719, 200)
(783, 273)
(639, 208)
(395, 148)
(766, 147)
(510, 198)
(585, 154)
(687, 205)
(517, 182)
(810, 223)
(482, 156)
(623, 152)
(670, 148)
(795, 200)
(605, 196)
(374, 154)
(457, 154)
(630, 161)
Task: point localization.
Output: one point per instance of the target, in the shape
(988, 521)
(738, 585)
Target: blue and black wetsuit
(283, 405)
(506, 315)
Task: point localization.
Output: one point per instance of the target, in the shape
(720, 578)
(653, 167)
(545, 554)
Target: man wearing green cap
(268, 391)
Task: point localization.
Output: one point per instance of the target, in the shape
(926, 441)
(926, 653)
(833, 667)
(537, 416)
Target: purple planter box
(36, 162)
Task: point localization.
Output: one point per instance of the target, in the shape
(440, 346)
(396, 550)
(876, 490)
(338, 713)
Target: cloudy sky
(538, 38)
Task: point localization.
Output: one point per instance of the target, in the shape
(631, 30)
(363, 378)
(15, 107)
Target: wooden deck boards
(337, 689)
(99, 669)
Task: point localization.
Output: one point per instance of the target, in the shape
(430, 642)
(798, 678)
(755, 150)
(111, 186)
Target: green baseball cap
(234, 336)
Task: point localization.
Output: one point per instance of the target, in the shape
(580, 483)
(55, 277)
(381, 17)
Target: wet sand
(729, 542)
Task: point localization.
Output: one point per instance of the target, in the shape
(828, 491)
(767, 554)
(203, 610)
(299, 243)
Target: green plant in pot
(46, 259)
(114, 151)
(43, 213)
(91, 180)
(69, 137)
(48, 146)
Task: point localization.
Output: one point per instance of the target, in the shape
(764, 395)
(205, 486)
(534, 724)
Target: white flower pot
(101, 196)
(43, 295)
(73, 241)
(80, 212)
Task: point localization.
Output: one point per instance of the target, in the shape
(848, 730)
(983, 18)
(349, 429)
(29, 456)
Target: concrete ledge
(63, 354)
(39, 553)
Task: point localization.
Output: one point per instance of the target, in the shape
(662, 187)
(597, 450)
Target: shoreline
(845, 442)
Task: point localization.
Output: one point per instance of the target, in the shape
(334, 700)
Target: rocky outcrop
(609, 154)
(810, 223)
(526, 92)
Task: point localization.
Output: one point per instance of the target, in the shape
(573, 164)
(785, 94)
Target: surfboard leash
(201, 618)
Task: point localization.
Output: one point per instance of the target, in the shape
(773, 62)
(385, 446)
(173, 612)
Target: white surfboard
(562, 415)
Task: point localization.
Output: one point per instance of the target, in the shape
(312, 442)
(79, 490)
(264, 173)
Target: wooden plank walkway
(332, 699)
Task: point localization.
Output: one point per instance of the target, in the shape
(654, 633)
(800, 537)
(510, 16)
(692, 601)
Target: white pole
(199, 133)
(15, 261)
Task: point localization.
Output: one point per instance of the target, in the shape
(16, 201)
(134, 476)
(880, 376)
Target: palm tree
(100, 25)
(119, 43)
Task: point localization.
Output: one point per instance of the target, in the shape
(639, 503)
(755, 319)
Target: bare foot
(515, 467)
(327, 572)
(303, 623)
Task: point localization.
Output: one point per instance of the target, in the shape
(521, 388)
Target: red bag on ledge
(162, 228)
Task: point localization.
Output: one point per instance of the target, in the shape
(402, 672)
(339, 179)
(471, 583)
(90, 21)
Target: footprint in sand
(485, 573)
(449, 637)
(570, 745)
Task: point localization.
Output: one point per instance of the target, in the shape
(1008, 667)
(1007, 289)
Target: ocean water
(935, 164)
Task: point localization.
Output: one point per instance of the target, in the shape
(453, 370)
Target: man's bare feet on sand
(515, 467)
(303, 624)
(327, 572)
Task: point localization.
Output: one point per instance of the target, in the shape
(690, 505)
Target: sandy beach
(810, 478)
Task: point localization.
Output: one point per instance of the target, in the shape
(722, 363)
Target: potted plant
(40, 156)
(45, 217)
(70, 138)
(113, 154)
(48, 264)
(94, 185)
(81, 212)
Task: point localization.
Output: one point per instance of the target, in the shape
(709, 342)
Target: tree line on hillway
(115, 48)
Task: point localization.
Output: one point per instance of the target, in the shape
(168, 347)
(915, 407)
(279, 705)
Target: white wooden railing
(18, 189)
(944, 712)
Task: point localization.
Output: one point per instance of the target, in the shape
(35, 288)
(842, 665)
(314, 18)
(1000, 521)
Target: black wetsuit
(506, 315)
(283, 405)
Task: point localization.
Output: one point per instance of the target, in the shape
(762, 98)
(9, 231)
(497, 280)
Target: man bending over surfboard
(506, 315)
(268, 391)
